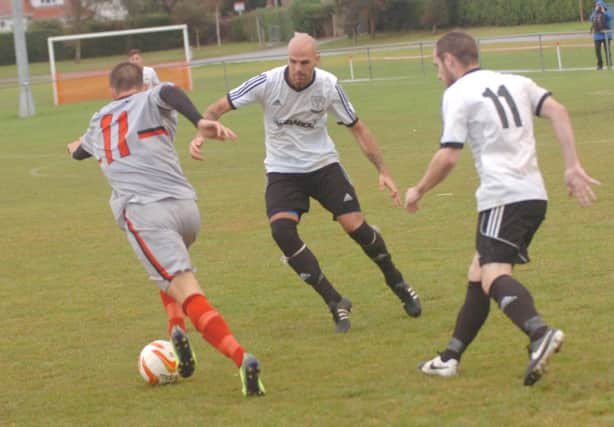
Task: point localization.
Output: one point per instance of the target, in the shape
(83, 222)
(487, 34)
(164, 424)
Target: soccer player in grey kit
(302, 163)
(132, 138)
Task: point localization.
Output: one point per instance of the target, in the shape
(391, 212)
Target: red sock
(213, 327)
(173, 312)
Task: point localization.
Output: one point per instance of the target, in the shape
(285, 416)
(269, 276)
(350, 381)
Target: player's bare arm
(578, 182)
(440, 167)
(217, 109)
(369, 147)
(214, 130)
(211, 115)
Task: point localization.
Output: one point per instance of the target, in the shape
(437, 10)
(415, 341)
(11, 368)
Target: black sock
(372, 243)
(307, 267)
(517, 304)
(470, 319)
(302, 260)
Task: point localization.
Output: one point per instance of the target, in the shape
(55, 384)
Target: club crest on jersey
(317, 104)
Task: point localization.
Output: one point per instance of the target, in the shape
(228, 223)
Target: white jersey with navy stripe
(494, 113)
(133, 140)
(296, 136)
(150, 78)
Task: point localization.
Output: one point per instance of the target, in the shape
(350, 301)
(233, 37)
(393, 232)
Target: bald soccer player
(302, 163)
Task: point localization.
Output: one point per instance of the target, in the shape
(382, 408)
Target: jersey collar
(287, 79)
(473, 70)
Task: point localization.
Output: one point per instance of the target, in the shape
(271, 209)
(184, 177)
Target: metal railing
(522, 53)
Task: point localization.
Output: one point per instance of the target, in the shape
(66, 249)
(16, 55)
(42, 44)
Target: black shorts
(330, 185)
(505, 232)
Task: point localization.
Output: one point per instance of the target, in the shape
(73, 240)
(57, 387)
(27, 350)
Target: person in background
(601, 19)
(150, 77)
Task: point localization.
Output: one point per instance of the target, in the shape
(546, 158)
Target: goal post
(80, 86)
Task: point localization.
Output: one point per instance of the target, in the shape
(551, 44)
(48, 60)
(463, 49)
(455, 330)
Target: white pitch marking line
(36, 173)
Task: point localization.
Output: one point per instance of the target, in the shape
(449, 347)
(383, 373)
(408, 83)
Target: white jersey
(296, 136)
(150, 78)
(132, 139)
(494, 113)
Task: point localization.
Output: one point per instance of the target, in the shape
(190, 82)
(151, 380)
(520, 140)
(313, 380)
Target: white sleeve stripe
(247, 86)
(346, 104)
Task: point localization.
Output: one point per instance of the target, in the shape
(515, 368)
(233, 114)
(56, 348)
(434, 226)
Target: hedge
(36, 40)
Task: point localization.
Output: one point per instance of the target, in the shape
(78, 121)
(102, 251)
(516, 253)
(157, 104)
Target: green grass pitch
(77, 307)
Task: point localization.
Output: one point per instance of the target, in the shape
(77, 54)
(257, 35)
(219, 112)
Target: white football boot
(436, 366)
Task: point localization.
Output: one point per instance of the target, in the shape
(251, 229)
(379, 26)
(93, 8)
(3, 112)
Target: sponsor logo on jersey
(295, 122)
(317, 104)
(276, 103)
(347, 198)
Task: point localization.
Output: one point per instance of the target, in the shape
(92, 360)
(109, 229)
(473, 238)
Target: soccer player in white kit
(493, 113)
(150, 77)
(302, 163)
(132, 138)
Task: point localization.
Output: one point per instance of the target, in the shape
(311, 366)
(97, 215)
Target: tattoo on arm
(376, 159)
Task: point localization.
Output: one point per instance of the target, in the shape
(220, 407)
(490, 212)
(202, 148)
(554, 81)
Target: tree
(143, 7)
(353, 12)
(349, 14)
(195, 13)
(79, 11)
(373, 9)
(435, 14)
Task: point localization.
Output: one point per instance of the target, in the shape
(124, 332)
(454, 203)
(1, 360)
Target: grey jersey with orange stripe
(297, 139)
(133, 140)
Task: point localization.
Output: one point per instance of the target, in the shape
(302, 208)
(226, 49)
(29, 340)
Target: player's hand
(195, 150)
(579, 185)
(385, 181)
(72, 147)
(412, 197)
(215, 130)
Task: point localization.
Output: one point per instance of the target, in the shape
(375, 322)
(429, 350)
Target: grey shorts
(160, 234)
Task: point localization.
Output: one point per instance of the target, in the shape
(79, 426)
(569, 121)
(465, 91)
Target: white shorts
(160, 234)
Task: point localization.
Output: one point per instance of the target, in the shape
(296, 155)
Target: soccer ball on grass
(158, 363)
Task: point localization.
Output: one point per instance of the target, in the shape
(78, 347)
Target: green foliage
(143, 7)
(245, 27)
(38, 33)
(311, 16)
(399, 15)
(435, 14)
(515, 12)
(36, 42)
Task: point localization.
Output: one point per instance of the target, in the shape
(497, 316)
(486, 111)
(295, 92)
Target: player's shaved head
(459, 44)
(302, 44)
(126, 76)
(303, 57)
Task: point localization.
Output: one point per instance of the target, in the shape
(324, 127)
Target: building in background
(60, 10)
